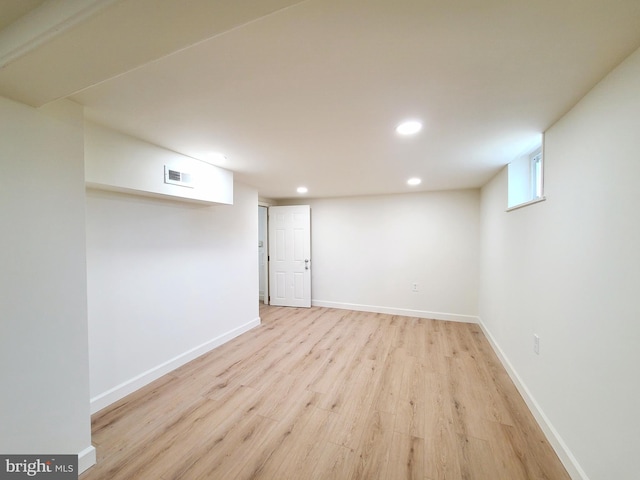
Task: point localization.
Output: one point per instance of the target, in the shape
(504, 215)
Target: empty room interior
(325, 239)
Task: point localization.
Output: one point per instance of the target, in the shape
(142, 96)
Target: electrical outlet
(536, 344)
(414, 287)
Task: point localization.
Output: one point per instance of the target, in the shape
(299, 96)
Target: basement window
(525, 180)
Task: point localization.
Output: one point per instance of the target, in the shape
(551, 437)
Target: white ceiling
(309, 93)
(11, 10)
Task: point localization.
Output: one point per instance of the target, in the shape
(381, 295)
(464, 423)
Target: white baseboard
(86, 459)
(451, 317)
(574, 469)
(120, 391)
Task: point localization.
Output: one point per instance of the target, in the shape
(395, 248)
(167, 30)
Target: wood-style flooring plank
(349, 424)
(329, 394)
(406, 458)
(285, 438)
(372, 455)
(223, 455)
(334, 462)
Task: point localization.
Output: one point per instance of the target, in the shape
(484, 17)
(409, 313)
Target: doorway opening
(262, 255)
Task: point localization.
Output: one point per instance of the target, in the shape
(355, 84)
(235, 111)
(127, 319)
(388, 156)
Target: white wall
(167, 281)
(119, 162)
(368, 251)
(568, 269)
(44, 374)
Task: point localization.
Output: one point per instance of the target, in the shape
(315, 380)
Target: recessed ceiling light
(302, 189)
(414, 181)
(409, 127)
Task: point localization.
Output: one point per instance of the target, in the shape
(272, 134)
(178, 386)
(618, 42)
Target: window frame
(537, 176)
(535, 170)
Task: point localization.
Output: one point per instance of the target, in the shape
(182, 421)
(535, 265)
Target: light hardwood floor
(330, 394)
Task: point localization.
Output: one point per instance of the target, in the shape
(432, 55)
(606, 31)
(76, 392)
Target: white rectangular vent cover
(176, 177)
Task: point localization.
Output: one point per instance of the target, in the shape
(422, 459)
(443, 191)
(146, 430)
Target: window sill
(526, 204)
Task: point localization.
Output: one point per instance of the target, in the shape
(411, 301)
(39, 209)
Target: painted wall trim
(86, 459)
(43, 24)
(120, 391)
(560, 447)
(451, 317)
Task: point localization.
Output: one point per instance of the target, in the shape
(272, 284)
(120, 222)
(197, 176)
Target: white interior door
(290, 256)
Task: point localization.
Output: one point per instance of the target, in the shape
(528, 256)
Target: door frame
(264, 273)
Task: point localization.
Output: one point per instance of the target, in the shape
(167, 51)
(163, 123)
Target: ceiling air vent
(176, 177)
